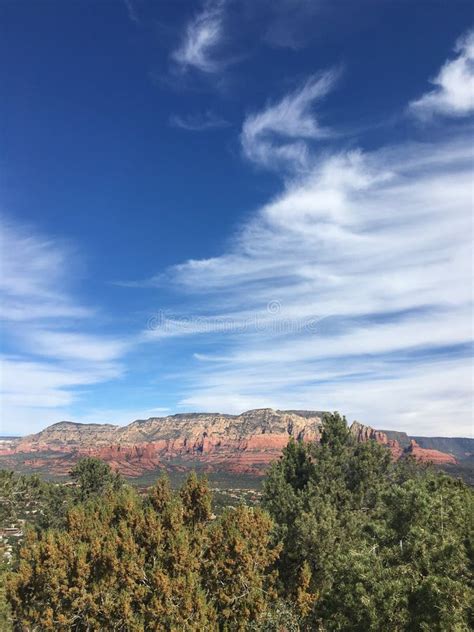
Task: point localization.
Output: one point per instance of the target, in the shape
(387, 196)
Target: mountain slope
(243, 443)
(211, 441)
(460, 447)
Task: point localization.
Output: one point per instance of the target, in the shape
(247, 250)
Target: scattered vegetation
(340, 539)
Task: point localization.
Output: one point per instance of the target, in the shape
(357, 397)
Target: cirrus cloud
(203, 35)
(278, 135)
(374, 247)
(50, 352)
(453, 94)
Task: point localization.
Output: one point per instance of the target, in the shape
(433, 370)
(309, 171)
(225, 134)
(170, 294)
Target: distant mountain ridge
(212, 441)
(460, 447)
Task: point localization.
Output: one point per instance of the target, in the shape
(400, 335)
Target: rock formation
(366, 433)
(243, 443)
(210, 441)
(424, 454)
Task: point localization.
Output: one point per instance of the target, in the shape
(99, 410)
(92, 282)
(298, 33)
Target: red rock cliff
(244, 443)
(241, 443)
(366, 433)
(426, 455)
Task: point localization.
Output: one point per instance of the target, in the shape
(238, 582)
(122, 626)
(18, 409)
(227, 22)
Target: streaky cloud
(278, 135)
(378, 241)
(47, 330)
(199, 122)
(453, 94)
(202, 36)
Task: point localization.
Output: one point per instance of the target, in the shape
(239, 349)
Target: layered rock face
(212, 441)
(68, 433)
(425, 454)
(366, 433)
(243, 443)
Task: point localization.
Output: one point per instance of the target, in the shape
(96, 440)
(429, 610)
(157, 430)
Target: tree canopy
(369, 544)
(345, 540)
(158, 562)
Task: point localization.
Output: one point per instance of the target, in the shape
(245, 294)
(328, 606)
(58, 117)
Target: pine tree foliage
(368, 544)
(237, 551)
(123, 562)
(93, 476)
(345, 540)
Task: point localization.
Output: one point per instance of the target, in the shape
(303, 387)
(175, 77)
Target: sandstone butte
(244, 443)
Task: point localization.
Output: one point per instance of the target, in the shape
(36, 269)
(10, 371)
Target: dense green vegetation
(369, 545)
(343, 539)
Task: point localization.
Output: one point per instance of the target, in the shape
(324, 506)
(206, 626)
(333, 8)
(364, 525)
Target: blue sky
(229, 204)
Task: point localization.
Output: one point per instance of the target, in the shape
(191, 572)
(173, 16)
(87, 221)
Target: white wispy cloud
(201, 39)
(367, 258)
(453, 94)
(35, 393)
(199, 122)
(50, 354)
(73, 345)
(351, 289)
(37, 384)
(278, 134)
(429, 399)
(32, 283)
